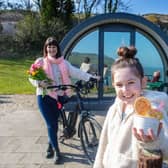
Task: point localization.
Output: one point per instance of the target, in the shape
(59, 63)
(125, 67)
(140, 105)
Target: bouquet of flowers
(36, 72)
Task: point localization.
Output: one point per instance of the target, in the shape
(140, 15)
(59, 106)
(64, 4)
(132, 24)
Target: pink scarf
(63, 70)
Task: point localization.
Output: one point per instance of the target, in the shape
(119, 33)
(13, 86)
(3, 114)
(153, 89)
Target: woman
(59, 71)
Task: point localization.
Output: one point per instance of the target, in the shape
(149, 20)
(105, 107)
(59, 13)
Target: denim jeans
(50, 112)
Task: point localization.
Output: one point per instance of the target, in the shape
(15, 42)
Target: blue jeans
(50, 112)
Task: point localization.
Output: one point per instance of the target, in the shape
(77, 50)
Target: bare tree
(2, 4)
(104, 6)
(27, 4)
(37, 4)
(88, 6)
(78, 4)
(112, 6)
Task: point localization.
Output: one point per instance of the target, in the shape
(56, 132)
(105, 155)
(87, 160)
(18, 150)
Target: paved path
(23, 139)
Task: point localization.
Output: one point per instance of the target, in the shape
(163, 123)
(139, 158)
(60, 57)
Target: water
(148, 71)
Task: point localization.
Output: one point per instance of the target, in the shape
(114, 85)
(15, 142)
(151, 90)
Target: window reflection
(112, 41)
(87, 47)
(149, 56)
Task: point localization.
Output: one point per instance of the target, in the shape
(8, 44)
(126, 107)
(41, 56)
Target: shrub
(27, 31)
(31, 32)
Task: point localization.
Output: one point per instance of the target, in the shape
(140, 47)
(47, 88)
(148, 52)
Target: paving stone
(23, 137)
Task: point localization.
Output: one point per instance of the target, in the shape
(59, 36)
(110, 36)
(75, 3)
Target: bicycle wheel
(90, 131)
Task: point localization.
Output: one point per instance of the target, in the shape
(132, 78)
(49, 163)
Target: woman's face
(127, 85)
(51, 50)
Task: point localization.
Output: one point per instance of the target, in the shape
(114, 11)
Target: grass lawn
(13, 76)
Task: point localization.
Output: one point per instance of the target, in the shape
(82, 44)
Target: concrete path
(23, 139)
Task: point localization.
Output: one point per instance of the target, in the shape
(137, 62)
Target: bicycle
(88, 127)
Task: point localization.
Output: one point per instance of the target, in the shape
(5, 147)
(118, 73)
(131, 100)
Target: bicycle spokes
(90, 133)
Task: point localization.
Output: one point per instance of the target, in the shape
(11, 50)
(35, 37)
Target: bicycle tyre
(89, 132)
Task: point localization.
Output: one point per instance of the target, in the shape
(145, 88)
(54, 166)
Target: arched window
(99, 37)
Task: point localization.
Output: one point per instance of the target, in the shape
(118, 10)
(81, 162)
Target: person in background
(120, 142)
(60, 72)
(156, 76)
(105, 76)
(85, 66)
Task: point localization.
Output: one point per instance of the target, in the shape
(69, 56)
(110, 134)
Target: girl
(120, 142)
(59, 70)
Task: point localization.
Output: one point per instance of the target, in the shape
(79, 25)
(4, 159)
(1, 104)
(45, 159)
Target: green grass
(13, 76)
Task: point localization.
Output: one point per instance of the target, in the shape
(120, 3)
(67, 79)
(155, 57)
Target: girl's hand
(146, 138)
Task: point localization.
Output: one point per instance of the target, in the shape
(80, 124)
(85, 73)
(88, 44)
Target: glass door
(113, 38)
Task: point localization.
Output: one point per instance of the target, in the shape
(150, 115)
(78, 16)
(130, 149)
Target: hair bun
(127, 52)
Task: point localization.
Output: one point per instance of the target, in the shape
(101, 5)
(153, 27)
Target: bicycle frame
(88, 128)
(78, 90)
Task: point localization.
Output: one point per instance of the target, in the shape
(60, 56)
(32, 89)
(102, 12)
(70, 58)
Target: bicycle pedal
(61, 139)
(64, 137)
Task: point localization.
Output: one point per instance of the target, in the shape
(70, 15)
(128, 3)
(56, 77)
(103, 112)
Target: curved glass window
(148, 56)
(112, 40)
(86, 47)
(103, 50)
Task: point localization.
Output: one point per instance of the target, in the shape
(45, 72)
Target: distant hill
(77, 58)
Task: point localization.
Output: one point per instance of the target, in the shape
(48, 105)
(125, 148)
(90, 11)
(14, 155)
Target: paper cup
(145, 123)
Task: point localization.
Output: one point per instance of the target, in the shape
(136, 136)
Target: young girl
(120, 142)
(60, 71)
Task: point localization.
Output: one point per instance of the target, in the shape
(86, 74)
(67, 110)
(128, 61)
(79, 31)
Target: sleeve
(35, 83)
(162, 140)
(78, 73)
(102, 143)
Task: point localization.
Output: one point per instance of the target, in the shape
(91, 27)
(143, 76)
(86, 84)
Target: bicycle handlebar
(79, 86)
(61, 87)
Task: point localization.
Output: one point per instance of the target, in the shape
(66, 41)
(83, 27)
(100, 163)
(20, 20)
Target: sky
(148, 6)
(140, 6)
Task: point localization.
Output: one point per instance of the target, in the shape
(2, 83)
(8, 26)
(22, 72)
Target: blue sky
(141, 6)
(148, 6)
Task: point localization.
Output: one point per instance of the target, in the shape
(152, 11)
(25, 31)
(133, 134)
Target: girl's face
(51, 50)
(127, 85)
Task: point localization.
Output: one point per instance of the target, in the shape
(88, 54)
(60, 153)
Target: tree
(31, 32)
(49, 9)
(110, 6)
(62, 9)
(2, 4)
(104, 6)
(88, 6)
(27, 4)
(67, 13)
(37, 4)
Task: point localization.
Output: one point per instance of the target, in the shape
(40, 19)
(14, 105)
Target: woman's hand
(43, 84)
(96, 77)
(146, 138)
